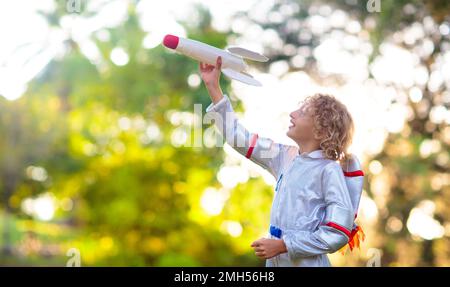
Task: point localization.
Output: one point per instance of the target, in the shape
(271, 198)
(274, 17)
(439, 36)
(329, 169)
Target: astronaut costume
(315, 202)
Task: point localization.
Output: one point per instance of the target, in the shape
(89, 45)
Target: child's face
(302, 123)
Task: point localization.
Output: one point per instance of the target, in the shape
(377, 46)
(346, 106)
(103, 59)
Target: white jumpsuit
(315, 201)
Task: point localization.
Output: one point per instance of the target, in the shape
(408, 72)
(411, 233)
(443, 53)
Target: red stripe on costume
(252, 145)
(353, 173)
(340, 228)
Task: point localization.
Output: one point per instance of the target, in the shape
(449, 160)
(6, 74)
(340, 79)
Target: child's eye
(304, 111)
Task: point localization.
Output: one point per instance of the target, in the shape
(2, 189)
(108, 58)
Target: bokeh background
(97, 123)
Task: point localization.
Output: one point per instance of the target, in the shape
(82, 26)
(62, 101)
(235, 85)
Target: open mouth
(292, 124)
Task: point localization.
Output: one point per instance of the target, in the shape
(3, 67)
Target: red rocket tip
(171, 41)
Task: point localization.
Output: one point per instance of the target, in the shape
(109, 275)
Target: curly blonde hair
(333, 124)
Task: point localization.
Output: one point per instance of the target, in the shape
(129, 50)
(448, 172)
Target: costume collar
(314, 154)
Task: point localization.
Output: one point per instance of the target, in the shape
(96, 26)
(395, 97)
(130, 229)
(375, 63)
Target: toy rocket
(233, 64)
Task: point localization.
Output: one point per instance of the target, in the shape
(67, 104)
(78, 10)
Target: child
(316, 198)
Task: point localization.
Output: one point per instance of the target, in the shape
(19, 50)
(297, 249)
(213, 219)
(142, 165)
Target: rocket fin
(248, 54)
(247, 79)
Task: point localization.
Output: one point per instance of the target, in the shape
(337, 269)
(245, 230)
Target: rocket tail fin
(248, 54)
(245, 78)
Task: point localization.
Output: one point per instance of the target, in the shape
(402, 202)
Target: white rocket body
(233, 64)
(208, 54)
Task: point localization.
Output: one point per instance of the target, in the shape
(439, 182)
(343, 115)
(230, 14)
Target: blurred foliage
(100, 141)
(103, 138)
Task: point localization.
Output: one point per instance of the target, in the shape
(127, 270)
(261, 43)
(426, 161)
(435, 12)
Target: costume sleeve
(335, 230)
(262, 151)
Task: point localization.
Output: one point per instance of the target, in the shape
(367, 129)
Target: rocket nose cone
(170, 41)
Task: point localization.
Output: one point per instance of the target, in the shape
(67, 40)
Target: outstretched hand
(211, 74)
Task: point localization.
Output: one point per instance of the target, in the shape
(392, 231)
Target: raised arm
(263, 151)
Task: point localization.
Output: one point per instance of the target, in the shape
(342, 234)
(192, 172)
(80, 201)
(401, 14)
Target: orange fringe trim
(356, 238)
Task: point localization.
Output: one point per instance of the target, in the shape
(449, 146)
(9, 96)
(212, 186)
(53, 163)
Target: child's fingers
(259, 249)
(219, 62)
(260, 254)
(207, 67)
(255, 243)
